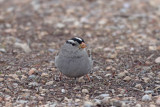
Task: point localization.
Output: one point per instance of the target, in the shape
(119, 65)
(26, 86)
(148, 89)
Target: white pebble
(146, 98)
(85, 91)
(63, 90)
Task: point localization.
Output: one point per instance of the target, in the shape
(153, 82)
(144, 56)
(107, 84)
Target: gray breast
(73, 64)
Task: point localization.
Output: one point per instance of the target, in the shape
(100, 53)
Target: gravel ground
(124, 36)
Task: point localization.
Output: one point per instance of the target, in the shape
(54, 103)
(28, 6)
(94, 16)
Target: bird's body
(73, 61)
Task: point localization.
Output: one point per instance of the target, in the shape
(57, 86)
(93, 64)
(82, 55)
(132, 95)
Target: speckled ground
(124, 37)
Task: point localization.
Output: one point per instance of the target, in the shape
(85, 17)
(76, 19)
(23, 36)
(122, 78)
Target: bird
(73, 59)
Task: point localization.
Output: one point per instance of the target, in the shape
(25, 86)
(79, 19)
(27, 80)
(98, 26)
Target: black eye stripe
(71, 42)
(74, 40)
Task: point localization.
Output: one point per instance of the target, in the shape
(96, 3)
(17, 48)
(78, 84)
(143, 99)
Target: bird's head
(77, 42)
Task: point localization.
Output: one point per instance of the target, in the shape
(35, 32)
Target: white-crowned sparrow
(73, 59)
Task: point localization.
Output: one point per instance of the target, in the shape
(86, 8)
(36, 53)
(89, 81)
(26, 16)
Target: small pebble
(1, 79)
(60, 25)
(85, 91)
(146, 98)
(23, 46)
(81, 79)
(97, 101)
(152, 48)
(139, 86)
(32, 77)
(158, 101)
(49, 83)
(122, 74)
(2, 50)
(22, 101)
(138, 105)
(7, 90)
(44, 75)
(152, 105)
(127, 78)
(149, 92)
(157, 60)
(1, 99)
(102, 21)
(145, 79)
(23, 77)
(25, 95)
(15, 85)
(31, 71)
(108, 75)
(8, 104)
(88, 104)
(51, 50)
(77, 100)
(106, 100)
(109, 68)
(104, 95)
(40, 98)
(63, 90)
(34, 84)
(14, 76)
(115, 102)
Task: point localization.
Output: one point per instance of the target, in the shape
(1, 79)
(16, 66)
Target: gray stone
(34, 84)
(23, 46)
(146, 98)
(2, 50)
(88, 104)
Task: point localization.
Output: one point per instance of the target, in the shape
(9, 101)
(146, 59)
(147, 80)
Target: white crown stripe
(78, 38)
(71, 41)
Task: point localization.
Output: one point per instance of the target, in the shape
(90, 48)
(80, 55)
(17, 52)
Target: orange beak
(83, 45)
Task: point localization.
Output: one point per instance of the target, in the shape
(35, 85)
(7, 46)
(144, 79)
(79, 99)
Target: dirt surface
(124, 36)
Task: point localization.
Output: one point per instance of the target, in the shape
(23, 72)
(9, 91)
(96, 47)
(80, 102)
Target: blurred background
(124, 36)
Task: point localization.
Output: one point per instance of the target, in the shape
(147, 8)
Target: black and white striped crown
(74, 40)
